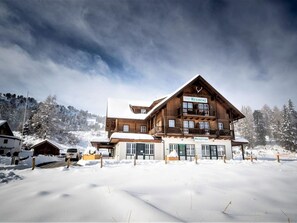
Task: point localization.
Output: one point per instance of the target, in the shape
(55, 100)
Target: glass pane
(191, 124)
(186, 124)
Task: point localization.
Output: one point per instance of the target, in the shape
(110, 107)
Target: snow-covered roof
(55, 144)
(118, 108)
(2, 122)
(137, 136)
(121, 108)
(240, 140)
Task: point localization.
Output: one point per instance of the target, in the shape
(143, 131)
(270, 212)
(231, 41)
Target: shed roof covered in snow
(46, 147)
(4, 128)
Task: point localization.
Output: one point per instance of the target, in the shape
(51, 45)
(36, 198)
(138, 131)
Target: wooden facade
(196, 109)
(194, 120)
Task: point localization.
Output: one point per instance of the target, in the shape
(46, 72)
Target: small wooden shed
(46, 147)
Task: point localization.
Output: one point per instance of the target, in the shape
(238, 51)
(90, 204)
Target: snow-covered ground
(152, 191)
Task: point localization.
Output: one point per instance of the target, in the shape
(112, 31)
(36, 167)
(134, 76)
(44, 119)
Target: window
(221, 150)
(205, 151)
(204, 125)
(171, 123)
(203, 109)
(131, 148)
(143, 111)
(190, 149)
(187, 107)
(221, 126)
(5, 141)
(149, 149)
(126, 128)
(143, 128)
(189, 124)
(173, 147)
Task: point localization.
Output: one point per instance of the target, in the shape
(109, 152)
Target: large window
(190, 149)
(203, 109)
(131, 148)
(173, 147)
(188, 125)
(187, 107)
(149, 149)
(213, 151)
(221, 150)
(125, 128)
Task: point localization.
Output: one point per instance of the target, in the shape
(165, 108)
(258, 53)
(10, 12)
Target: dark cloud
(140, 45)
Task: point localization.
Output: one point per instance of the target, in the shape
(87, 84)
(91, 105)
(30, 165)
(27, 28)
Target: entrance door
(182, 152)
(213, 152)
(140, 150)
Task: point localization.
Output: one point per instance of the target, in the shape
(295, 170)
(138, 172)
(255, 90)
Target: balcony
(205, 114)
(159, 130)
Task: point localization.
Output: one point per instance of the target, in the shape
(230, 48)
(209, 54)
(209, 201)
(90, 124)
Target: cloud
(90, 50)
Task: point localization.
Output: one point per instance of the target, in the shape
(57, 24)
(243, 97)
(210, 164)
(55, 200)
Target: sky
(87, 51)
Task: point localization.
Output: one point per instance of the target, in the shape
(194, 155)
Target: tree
(45, 122)
(288, 134)
(245, 126)
(275, 124)
(260, 131)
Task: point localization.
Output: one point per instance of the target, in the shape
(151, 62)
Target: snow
(138, 136)
(259, 191)
(2, 122)
(120, 108)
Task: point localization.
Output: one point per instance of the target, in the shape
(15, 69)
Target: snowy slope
(153, 191)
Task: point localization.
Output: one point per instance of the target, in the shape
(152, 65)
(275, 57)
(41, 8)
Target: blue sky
(86, 51)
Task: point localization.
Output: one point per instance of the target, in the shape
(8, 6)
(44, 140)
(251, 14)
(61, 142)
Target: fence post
(166, 159)
(134, 159)
(68, 162)
(196, 159)
(251, 157)
(101, 160)
(224, 158)
(33, 163)
(277, 158)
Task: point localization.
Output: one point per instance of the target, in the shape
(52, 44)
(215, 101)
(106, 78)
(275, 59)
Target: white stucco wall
(198, 144)
(120, 148)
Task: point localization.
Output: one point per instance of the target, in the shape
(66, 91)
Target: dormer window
(143, 111)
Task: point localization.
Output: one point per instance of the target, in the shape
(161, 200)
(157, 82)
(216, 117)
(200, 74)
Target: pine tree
(244, 127)
(260, 130)
(288, 134)
(267, 117)
(275, 124)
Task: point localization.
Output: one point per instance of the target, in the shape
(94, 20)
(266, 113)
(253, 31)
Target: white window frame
(188, 124)
(221, 126)
(143, 128)
(130, 149)
(125, 128)
(171, 123)
(149, 149)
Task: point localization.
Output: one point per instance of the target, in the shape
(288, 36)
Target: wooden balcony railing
(190, 131)
(196, 112)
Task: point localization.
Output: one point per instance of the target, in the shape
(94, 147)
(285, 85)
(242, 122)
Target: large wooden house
(194, 120)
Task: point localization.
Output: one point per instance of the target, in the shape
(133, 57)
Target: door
(182, 152)
(213, 152)
(140, 149)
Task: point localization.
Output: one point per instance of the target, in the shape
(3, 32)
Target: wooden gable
(5, 129)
